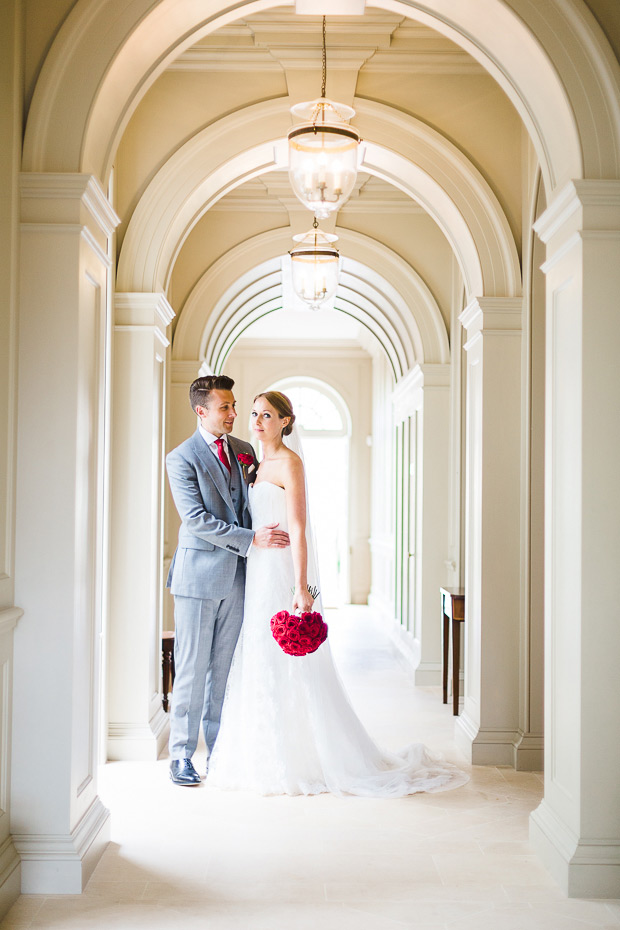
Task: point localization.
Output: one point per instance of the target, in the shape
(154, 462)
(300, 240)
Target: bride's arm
(295, 489)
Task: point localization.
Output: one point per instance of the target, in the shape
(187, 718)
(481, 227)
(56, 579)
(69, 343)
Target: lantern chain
(324, 71)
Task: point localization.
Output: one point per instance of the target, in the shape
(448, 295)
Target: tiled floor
(203, 858)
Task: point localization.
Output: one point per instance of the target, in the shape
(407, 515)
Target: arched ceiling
(552, 60)
(191, 105)
(417, 168)
(395, 306)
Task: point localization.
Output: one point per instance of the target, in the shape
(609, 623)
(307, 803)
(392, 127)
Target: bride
(287, 724)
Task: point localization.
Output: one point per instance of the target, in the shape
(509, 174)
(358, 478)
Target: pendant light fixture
(323, 152)
(315, 265)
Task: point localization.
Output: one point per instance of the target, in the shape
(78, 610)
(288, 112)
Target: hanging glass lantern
(315, 265)
(323, 152)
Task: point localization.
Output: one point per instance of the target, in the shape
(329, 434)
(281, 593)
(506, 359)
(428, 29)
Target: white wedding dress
(287, 724)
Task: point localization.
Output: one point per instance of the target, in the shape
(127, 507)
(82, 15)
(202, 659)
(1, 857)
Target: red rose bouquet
(298, 636)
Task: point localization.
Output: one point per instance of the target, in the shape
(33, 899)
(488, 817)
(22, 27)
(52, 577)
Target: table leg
(446, 649)
(456, 661)
(166, 675)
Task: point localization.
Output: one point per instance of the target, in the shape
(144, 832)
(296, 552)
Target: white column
(11, 79)
(180, 423)
(59, 822)
(424, 396)
(487, 730)
(137, 724)
(576, 829)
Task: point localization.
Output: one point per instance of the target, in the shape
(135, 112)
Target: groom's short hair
(201, 388)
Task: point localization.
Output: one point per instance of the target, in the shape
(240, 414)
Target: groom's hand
(270, 537)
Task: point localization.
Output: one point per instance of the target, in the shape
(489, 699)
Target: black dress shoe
(182, 772)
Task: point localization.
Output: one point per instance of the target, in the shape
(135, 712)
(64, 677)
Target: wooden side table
(167, 665)
(452, 609)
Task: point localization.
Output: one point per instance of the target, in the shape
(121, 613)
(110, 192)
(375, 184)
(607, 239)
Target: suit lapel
(232, 445)
(213, 467)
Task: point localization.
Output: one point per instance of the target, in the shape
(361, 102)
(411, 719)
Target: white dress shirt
(209, 438)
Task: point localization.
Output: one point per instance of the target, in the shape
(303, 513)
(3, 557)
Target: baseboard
(428, 674)
(529, 753)
(63, 863)
(138, 742)
(583, 869)
(10, 876)
(484, 746)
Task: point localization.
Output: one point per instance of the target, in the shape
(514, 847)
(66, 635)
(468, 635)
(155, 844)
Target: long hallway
(230, 861)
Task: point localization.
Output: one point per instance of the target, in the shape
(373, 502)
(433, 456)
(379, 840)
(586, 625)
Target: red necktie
(221, 454)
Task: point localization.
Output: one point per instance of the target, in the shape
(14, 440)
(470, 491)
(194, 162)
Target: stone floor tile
(222, 860)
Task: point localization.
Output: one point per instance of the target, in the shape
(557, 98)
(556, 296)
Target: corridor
(229, 861)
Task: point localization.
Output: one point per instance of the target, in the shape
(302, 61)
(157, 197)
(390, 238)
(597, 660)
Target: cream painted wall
(178, 105)
(214, 235)
(10, 141)
(474, 113)
(417, 239)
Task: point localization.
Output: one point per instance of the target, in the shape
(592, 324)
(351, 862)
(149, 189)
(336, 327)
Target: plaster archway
(554, 63)
(398, 148)
(395, 305)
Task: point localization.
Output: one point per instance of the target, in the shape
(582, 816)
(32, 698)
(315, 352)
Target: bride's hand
(302, 600)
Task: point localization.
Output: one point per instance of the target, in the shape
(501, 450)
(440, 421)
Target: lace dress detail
(288, 726)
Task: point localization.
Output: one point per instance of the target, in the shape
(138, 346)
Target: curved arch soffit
(396, 306)
(426, 166)
(552, 60)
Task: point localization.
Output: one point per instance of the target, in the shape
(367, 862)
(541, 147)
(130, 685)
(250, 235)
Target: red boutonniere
(245, 460)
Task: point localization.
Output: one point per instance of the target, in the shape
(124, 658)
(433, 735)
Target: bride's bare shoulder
(293, 464)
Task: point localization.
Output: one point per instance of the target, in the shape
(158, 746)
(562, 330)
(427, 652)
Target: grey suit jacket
(211, 536)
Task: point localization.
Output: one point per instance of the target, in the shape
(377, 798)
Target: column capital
(143, 311)
(492, 314)
(9, 618)
(407, 396)
(581, 205)
(184, 371)
(61, 199)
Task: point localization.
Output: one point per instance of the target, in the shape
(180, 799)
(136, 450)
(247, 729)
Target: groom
(208, 476)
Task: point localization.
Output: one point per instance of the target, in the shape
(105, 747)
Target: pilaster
(487, 730)
(422, 398)
(576, 829)
(137, 724)
(64, 327)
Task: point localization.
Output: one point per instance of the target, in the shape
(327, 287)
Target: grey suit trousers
(206, 633)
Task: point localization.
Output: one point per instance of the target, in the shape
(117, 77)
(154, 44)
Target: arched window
(318, 408)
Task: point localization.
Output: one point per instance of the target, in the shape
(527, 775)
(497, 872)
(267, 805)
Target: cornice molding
(492, 315)
(143, 310)
(9, 618)
(72, 188)
(599, 198)
(184, 371)
(408, 394)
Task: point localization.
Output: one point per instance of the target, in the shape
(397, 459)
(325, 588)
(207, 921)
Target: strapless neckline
(257, 483)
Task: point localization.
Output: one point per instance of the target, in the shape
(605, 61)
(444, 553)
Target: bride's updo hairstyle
(282, 404)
